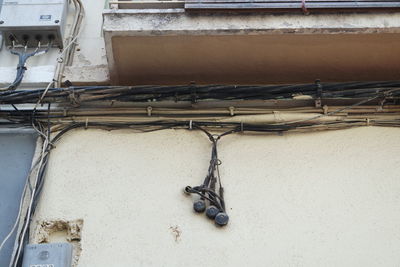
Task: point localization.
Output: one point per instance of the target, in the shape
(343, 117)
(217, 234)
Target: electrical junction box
(48, 255)
(26, 22)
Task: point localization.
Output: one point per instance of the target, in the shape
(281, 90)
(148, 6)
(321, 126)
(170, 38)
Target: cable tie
(193, 93)
(232, 111)
(190, 125)
(51, 146)
(241, 127)
(149, 110)
(277, 116)
(326, 109)
(318, 99)
(72, 97)
(86, 123)
(367, 120)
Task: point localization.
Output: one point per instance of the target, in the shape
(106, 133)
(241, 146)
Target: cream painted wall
(318, 199)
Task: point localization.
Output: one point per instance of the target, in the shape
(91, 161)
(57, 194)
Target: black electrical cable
(21, 67)
(88, 94)
(207, 190)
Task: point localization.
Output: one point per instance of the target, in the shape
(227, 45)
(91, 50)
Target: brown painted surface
(255, 59)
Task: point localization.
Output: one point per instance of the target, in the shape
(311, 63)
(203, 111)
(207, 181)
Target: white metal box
(28, 21)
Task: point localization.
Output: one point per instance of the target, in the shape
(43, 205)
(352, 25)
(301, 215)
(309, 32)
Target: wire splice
(23, 57)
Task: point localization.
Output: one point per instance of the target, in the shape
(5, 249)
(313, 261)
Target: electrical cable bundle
(208, 190)
(31, 193)
(196, 93)
(23, 57)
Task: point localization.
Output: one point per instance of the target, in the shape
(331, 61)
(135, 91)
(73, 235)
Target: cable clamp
(149, 110)
(325, 108)
(74, 100)
(193, 93)
(318, 100)
(277, 116)
(232, 111)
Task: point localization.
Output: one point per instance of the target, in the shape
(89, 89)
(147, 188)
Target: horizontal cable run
(197, 94)
(262, 108)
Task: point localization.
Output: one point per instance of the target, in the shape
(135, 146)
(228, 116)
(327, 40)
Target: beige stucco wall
(318, 199)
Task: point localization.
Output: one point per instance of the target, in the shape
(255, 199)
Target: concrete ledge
(176, 21)
(169, 47)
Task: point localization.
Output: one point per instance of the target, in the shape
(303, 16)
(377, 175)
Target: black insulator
(187, 190)
(222, 219)
(212, 211)
(199, 206)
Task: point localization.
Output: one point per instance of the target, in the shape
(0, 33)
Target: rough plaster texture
(320, 199)
(176, 21)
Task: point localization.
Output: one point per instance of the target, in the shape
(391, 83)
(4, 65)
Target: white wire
(43, 95)
(77, 23)
(76, 30)
(43, 155)
(16, 220)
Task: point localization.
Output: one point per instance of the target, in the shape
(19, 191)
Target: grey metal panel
(52, 255)
(16, 152)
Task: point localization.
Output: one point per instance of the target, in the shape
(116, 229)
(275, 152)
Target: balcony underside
(237, 56)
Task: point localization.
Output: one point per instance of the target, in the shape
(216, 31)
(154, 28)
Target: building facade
(308, 163)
